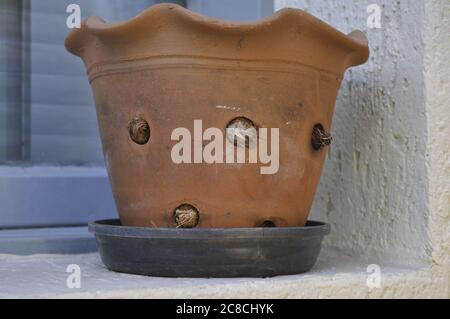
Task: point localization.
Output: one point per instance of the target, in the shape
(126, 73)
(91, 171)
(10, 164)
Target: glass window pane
(46, 107)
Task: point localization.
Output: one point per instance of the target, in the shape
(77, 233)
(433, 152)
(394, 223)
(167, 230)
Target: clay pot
(168, 66)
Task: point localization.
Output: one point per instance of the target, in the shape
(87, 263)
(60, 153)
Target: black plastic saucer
(200, 252)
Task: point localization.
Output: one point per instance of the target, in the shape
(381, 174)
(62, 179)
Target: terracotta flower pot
(168, 67)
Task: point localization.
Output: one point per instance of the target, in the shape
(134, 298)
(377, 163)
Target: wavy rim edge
(356, 40)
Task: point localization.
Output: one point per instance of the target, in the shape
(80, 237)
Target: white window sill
(335, 276)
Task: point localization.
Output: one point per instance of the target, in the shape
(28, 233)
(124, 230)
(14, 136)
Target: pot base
(214, 252)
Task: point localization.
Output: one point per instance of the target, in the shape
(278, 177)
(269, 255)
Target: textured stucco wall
(386, 175)
(437, 76)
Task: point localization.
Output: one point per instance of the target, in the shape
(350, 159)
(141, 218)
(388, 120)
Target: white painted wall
(388, 172)
(437, 90)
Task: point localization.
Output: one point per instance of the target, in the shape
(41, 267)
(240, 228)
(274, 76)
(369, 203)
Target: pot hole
(267, 223)
(186, 216)
(319, 137)
(241, 131)
(139, 131)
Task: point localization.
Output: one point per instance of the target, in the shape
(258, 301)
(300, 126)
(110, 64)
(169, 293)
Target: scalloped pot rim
(355, 44)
